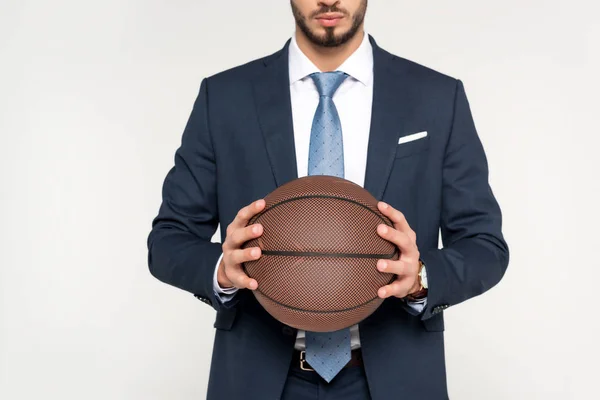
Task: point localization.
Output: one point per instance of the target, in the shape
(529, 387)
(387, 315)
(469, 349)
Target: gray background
(94, 97)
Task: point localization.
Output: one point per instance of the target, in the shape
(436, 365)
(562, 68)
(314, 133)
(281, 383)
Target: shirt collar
(359, 65)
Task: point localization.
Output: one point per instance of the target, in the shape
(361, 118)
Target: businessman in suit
(331, 101)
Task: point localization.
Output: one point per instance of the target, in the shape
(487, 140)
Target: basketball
(320, 247)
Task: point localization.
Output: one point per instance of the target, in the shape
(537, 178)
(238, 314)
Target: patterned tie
(327, 353)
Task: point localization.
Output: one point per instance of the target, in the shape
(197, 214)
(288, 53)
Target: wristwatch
(423, 275)
(422, 292)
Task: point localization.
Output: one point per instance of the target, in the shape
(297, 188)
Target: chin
(327, 36)
(338, 32)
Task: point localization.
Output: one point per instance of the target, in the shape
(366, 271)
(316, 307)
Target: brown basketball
(320, 247)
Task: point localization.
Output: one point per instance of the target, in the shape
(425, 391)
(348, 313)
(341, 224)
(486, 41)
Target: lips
(331, 16)
(329, 19)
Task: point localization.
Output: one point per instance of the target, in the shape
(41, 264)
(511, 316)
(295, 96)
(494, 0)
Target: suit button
(288, 331)
(438, 309)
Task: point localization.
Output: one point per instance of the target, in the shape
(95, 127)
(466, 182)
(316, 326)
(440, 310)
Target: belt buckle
(303, 366)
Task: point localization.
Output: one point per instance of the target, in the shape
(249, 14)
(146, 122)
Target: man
(401, 130)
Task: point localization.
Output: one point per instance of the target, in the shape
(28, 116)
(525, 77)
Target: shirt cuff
(417, 305)
(223, 294)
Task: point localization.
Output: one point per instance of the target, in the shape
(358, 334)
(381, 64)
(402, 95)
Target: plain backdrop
(94, 97)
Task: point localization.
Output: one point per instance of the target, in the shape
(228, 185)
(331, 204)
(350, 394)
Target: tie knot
(328, 82)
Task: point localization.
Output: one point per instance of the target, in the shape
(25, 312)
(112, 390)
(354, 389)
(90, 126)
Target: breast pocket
(413, 147)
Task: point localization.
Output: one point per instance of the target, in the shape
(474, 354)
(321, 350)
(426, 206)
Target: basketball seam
(314, 196)
(318, 311)
(320, 254)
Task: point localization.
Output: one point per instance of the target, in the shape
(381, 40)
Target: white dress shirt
(353, 101)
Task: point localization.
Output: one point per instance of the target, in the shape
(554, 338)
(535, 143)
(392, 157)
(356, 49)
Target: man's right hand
(230, 273)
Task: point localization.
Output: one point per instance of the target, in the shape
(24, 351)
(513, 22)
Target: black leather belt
(299, 360)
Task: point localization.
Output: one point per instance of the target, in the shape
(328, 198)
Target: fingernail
(384, 205)
(382, 265)
(255, 229)
(383, 229)
(254, 253)
(382, 293)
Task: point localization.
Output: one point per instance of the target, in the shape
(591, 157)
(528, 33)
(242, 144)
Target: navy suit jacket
(238, 146)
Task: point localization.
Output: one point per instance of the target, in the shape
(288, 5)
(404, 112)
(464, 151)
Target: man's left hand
(407, 267)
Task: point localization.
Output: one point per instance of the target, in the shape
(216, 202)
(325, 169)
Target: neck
(328, 58)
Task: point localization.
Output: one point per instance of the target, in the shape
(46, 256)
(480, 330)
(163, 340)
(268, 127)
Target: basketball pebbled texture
(320, 247)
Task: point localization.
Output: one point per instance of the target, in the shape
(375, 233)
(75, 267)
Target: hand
(407, 267)
(230, 273)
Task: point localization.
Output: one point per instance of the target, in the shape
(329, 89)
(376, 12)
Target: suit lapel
(391, 110)
(272, 96)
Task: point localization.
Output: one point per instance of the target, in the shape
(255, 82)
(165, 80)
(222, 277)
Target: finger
(398, 218)
(398, 288)
(400, 239)
(240, 280)
(242, 235)
(398, 267)
(244, 215)
(240, 256)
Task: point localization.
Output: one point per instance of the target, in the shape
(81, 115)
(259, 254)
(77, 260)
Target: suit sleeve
(475, 255)
(180, 251)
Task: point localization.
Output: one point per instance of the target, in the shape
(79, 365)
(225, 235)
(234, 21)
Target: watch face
(424, 277)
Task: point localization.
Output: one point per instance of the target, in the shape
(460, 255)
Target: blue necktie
(327, 352)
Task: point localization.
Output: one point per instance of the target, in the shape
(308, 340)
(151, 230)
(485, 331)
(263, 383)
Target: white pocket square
(414, 136)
